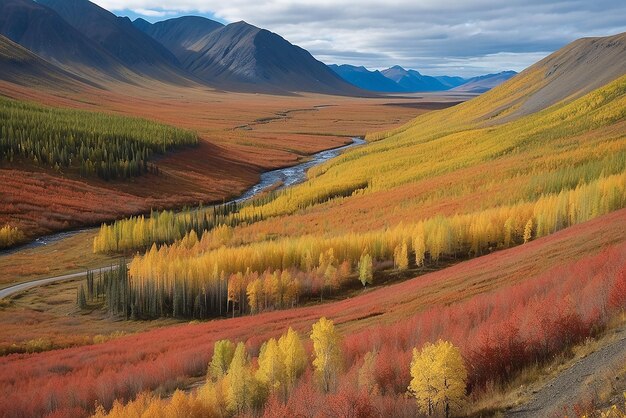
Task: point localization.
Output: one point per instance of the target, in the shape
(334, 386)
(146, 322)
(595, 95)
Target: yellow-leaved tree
(271, 371)
(439, 378)
(366, 275)
(327, 348)
(223, 352)
(294, 356)
(240, 389)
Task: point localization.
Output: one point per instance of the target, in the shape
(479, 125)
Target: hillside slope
(172, 352)
(130, 46)
(42, 31)
(20, 66)
(484, 83)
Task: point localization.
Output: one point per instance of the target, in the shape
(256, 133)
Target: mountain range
(76, 40)
(399, 80)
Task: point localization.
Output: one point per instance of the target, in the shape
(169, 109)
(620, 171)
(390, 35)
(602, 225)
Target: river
(286, 177)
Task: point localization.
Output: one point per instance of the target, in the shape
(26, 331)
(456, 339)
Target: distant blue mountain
(399, 80)
(367, 80)
(413, 81)
(451, 82)
(484, 83)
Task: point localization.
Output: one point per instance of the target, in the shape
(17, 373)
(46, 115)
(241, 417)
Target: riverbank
(69, 252)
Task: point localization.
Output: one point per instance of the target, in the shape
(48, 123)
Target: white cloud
(454, 37)
(154, 13)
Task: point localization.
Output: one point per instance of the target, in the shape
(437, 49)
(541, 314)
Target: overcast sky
(452, 37)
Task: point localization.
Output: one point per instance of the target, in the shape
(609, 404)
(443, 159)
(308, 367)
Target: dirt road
(586, 377)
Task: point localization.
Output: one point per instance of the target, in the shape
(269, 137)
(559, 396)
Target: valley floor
(241, 136)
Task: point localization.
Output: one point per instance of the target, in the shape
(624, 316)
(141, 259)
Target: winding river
(286, 177)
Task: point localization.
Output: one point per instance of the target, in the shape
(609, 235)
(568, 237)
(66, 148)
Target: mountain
(413, 81)
(20, 66)
(120, 38)
(180, 34)
(240, 56)
(575, 70)
(450, 82)
(365, 79)
(42, 31)
(484, 83)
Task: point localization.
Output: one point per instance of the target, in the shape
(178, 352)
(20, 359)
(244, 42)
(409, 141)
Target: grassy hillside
(430, 191)
(561, 264)
(96, 143)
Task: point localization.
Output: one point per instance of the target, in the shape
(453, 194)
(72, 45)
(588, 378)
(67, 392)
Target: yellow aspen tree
(439, 378)
(508, 232)
(271, 371)
(239, 382)
(528, 231)
(223, 351)
(327, 348)
(366, 275)
(254, 292)
(419, 247)
(401, 257)
(294, 356)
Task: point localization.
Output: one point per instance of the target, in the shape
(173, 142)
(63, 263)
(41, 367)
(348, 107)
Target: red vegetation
(504, 310)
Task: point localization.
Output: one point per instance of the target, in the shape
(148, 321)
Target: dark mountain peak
(397, 68)
(142, 24)
(42, 31)
(243, 56)
(118, 36)
(181, 34)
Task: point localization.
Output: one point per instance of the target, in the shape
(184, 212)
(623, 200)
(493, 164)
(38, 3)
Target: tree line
(238, 386)
(104, 145)
(10, 235)
(203, 277)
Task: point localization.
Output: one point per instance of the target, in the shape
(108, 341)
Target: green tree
(223, 351)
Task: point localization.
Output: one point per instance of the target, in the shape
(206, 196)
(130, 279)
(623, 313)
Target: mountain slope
(243, 57)
(485, 83)
(577, 69)
(44, 32)
(117, 35)
(411, 80)
(450, 81)
(20, 66)
(180, 34)
(365, 79)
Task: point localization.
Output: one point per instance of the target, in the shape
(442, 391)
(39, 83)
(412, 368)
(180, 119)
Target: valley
(199, 218)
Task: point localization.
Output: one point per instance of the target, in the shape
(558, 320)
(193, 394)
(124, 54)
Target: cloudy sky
(453, 37)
